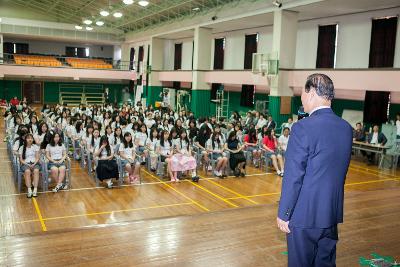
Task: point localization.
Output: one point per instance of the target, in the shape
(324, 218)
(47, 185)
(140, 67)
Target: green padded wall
(9, 89)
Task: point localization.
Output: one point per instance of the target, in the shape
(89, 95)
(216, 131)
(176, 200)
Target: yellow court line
(374, 174)
(19, 222)
(116, 211)
(373, 181)
(215, 195)
(258, 195)
(44, 228)
(354, 166)
(232, 191)
(177, 191)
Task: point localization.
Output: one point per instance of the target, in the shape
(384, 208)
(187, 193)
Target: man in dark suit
(317, 160)
(375, 138)
(271, 123)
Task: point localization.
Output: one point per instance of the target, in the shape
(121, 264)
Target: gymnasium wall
(58, 48)
(354, 36)
(11, 88)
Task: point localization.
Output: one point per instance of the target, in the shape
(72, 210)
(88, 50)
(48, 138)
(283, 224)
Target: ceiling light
(89, 28)
(128, 2)
(78, 27)
(87, 21)
(104, 13)
(196, 9)
(99, 23)
(143, 3)
(117, 14)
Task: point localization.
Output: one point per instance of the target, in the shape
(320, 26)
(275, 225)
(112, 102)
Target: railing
(66, 62)
(76, 98)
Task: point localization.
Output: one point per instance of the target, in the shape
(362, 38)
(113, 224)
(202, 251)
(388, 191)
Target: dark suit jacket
(381, 138)
(271, 125)
(317, 159)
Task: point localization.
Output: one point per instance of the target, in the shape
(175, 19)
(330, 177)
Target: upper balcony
(52, 67)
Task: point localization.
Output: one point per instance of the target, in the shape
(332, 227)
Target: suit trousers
(312, 247)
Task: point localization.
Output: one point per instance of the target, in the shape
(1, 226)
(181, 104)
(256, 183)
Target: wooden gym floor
(228, 222)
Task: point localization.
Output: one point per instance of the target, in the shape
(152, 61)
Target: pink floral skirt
(181, 162)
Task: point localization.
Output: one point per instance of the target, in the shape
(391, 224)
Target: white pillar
(201, 57)
(1, 48)
(284, 45)
(156, 59)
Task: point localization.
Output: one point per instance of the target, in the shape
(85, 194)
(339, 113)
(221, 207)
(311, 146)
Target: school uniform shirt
(111, 139)
(141, 138)
(96, 142)
(149, 122)
(182, 145)
(261, 123)
(216, 146)
(16, 146)
(56, 152)
(103, 153)
(128, 151)
(283, 142)
(269, 143)
(106, 122)
(152, 144)
(166, 149)
(34, 129)
(30, 153)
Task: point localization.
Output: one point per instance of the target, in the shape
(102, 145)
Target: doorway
(33, 91)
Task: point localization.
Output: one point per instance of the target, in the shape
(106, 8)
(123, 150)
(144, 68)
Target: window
(140, 57)
(219, 51)
(383, 42)
(178, 57)
(77, 52)
(250, 47)
(327, 42)
(214, 88)
(132, 59)
(247, 96)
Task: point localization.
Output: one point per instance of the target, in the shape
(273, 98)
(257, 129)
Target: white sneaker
(109, 184)
(57, 188)
(217, 173)
(209, 168)
(278, 173)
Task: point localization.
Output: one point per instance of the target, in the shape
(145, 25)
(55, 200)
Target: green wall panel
(394, 109)
(296, 104)
(338, 105)
(153, 95)
(9, 89)
(52, 89)
(275, 110)
(200, 103)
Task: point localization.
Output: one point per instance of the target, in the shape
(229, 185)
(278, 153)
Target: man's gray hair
(322, 85)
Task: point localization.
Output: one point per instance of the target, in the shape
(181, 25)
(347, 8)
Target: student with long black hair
(215, 146)
(127, 151)
(237, 159)
(107, 168)
(29, 161)
(56, 154)
(165, 149)
(151, 145)
(183, 160)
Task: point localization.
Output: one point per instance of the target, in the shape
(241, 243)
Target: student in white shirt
(56, 155)
(283, 141)
(29, 160)
(128, 157)
(215, 146)
(107, 167)
(151, 145)
(140, 142)
(398, 126)
(261, 122)
(165, 150)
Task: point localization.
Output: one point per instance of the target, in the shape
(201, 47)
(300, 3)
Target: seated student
(358, 133)
(251, 145)
(287, 124)
(20, 140)
(271, 124)
(117, 139)
(270, 145)
(165, 150)
(29, 160)
(237, 160)
(128, 158)
(151, 145)
(107, 167)
(375, 138)
(94, 141)
(215, 146)
(56, 155)
(260, 122)
(140, 143)
(182, 160)
(200, 142)
(398, 126)
(283, 141)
